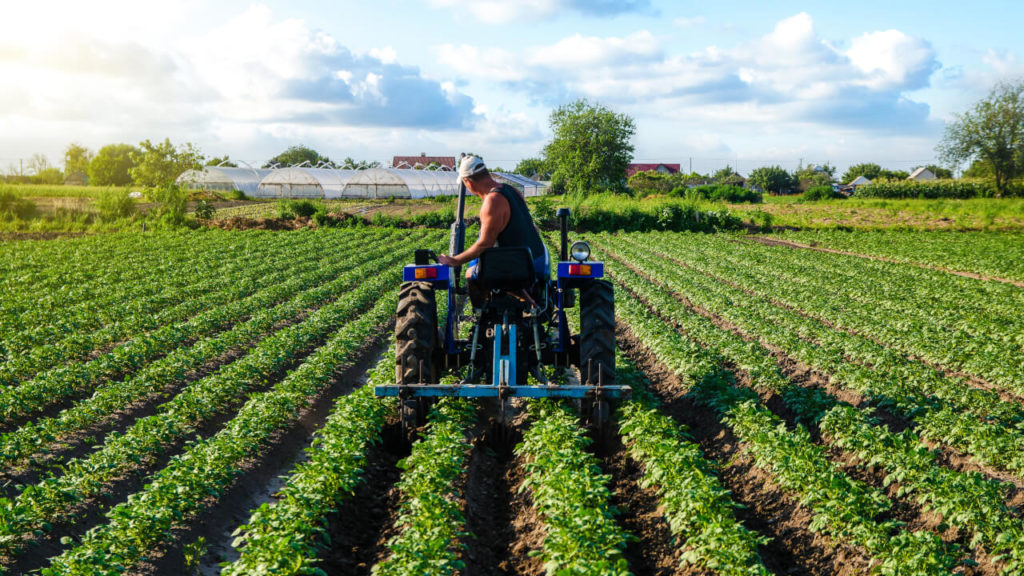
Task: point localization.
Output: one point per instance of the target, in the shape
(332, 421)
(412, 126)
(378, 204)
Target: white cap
(471, 166)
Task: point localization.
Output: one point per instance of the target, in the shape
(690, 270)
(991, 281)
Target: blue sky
(740, 83)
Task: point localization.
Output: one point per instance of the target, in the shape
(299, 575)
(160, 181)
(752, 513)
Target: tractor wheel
(415, 346)
(597, 333)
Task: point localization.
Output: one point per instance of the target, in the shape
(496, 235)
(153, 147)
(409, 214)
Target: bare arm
(494, 216)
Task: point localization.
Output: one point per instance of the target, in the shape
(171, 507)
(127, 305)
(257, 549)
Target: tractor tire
(415, 350)
(416, 334)
(597, 333)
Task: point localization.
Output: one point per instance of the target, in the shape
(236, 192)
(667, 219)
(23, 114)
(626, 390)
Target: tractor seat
(509, 268)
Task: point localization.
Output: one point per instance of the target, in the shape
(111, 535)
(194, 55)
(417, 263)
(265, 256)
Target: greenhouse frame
(301, 182)
(402, 183)
(225, 178)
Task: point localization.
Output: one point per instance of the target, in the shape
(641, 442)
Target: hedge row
(934, 189)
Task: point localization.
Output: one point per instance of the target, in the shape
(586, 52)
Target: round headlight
(580, 251)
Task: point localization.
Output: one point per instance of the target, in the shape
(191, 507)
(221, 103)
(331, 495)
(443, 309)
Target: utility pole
(691, 164)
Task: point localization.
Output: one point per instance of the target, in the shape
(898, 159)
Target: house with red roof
(423, 161)
(663, 168)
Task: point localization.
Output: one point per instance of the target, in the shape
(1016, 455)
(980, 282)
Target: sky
(739, 83)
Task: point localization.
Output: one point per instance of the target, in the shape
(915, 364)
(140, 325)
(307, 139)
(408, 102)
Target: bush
(543, 212)
(205, 210)
(115, 205)
(173, 202)
(719, 193)
(291, 209)
(435, 219)
(821, 193)
(13, 207)
(610, 213)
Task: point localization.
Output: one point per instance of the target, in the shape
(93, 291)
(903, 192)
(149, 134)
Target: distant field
(992, 254)
(875, 214)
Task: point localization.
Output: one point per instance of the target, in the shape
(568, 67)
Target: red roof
(424, 160)
(634, 168)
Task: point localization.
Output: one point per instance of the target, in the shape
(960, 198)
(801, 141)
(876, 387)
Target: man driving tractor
(504, 221)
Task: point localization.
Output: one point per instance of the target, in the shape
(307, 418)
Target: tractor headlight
(580, 251)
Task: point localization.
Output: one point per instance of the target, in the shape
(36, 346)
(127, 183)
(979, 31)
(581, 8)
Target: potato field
(201, 402)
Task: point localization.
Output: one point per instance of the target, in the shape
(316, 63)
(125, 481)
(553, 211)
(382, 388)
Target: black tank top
(520, 230)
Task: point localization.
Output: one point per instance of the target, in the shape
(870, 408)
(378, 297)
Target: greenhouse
(300, 182)
(246, 180)
(524, 185)
(402, 183)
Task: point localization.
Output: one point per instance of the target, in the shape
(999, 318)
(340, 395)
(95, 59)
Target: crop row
(570, 494)
(947, 411)
(39, 316)
(314, 288)
(844, 509)
(698, 509)
(200, 401)
(209, 466)
(285, 537)
(141, 316)
(430, 518)
(53, 293)
(948, 320)
(963, 499)
(49, 387)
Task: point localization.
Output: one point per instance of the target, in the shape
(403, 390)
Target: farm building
(663, 168)
(423, 161)
(302, 182)
(922, 174)
(246, 180)
(859, 181)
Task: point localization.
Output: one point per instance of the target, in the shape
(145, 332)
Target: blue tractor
(519, 328)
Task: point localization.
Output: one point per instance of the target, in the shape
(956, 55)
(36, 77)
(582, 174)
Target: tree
(223, 161)
(38, 163)
(869, 170)
(590, 149)
(112, 165)
(297, 155)
(992, 131)
(979, 168)
(76, 158)
(771, 179)
(813, 176)
(161, 164)
(350, 164)
(531, 167)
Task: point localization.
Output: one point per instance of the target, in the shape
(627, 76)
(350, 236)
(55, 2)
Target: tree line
(152, 165)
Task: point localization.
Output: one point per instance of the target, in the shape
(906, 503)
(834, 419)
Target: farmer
(504, 221)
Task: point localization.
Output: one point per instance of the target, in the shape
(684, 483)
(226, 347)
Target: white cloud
(580, 52)
(492, 64)
(789, 74)
(891, 59)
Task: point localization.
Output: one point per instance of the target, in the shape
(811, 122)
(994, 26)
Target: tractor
(519, 328)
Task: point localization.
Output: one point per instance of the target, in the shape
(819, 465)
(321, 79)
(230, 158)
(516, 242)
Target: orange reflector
(425, 273)
(579, 270)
